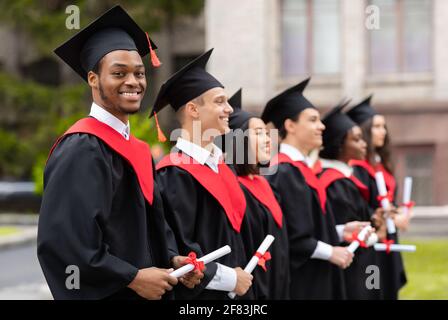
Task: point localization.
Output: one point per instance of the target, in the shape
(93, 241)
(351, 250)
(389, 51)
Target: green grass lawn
(427, 270)
(6, 231)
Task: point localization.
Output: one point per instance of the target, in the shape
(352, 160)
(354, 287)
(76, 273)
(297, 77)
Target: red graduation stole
(261, 190)
(310, 177)
(388, 177)
(135, 151)
(331, 175)
(223, 186)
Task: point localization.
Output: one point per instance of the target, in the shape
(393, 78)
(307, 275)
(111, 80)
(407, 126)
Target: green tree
(32, 114)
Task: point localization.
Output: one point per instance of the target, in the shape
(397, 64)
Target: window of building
(416, 162)
(310, 37)
(403, 43)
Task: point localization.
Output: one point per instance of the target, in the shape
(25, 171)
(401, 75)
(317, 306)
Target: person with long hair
(347, 196)
(378, 158)
(250, 151)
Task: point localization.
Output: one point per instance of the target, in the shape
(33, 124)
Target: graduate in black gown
(377, 158)
(102, 232)
(316, 259)
(203, 202)
(347, 196)
(249, 153)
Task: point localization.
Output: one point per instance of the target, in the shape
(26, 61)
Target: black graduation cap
(239, 118)
(186, 84)
(336, 124)
(114, 30)
(362, 111)
(286, 105)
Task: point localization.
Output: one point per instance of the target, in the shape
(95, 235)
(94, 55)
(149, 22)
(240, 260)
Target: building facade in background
(266, 46)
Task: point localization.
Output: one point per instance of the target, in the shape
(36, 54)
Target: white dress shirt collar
(294, 153)
(200, 154)
(342, 167)
(106, 117)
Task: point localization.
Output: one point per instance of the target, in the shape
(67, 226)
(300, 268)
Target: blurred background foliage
(33, 114)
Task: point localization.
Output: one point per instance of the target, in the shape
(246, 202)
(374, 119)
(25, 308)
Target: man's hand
(355, 226)
(341, 257)
(152, 283)
(243, 281)
(192, 278)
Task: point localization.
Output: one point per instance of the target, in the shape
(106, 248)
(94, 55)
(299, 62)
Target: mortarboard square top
(186, 84)
(286, 105)
(362, 111)
(114, 30)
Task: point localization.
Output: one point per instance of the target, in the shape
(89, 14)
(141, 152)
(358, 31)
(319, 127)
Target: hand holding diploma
(384, 198)
(360, 239)
(199, 263)
(259, 256)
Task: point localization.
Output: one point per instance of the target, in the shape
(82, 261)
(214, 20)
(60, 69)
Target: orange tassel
(154, 59)
(160, 134)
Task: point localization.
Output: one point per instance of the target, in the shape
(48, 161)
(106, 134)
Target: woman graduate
(315, 258)
(374, 129)
(102, 212)
(203, 201)
(250, 150)
(346, 195)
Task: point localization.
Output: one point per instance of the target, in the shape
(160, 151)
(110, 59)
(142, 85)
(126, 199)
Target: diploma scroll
(264, 246)
(206, 259)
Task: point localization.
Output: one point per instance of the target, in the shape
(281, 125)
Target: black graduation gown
(258, 222)
(393, 274)
(306, 224)
(347, 205)
(94, 216)
(200, 225)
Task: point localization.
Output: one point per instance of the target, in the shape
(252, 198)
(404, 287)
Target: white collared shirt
(342, 167)
(201, 155)
(225, 277)
(294, 153)
(323, 251)
(106, 117)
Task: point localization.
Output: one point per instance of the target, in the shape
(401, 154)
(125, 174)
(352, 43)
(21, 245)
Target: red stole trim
(310, 177)
(259, 187)
(135, 151)
(223, 186)
(331, 175)
(365, 165)
(389, 179)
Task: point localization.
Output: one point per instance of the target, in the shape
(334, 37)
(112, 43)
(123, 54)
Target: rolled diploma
(206, 259)
(395, 247)
(407, 191)
(355, 244)
(264, 246)
(381, 185)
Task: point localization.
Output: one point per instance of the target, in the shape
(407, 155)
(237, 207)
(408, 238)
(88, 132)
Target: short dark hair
(97, 67)
(282, 130)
